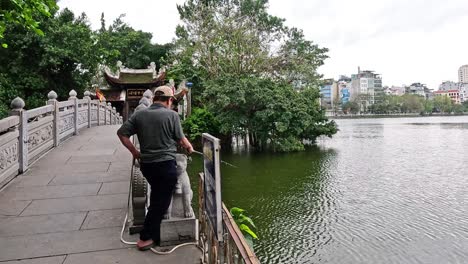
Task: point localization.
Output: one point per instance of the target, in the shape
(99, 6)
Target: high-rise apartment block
(463, 74)
(366, 88)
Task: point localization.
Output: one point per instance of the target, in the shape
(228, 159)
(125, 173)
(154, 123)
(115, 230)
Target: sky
(405, 41)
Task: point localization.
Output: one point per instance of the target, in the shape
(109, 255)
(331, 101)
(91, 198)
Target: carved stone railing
(28, 134)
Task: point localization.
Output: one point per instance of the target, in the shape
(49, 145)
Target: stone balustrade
(28, 134)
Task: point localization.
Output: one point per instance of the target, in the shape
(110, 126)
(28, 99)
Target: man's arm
(186, 145)
(129, 145)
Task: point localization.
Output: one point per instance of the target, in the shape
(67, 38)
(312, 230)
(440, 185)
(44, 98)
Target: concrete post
(53, 101)
(72, 95)
(109, 106)
(17, 106)
(88, 98)
(98, 110)
(105, 112)
(114, 116)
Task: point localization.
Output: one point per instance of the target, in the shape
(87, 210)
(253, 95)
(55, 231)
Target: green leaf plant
(246, 225)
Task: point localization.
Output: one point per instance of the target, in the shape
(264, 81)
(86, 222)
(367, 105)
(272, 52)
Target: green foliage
(25, 13)
(245, 224)
(443, 104)
(67, 56)
(410, 103)
(275, 114)
(200, 121)
(132, 47)
(62, 60)
(351, 107)
(255, 75)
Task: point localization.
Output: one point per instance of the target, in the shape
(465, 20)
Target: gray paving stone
(8, 207)
(104, 218)
(83, 167)
(91, 158)
(76, 204)
(115, 187)
(28, 225)
(184, 255)
(22, 181)
(47, 260)
(82, 179)
(49, 192)
(44, 245)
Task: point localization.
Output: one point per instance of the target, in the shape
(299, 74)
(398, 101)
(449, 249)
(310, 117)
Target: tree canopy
(257, 76)
(24, 13)
(67, 55)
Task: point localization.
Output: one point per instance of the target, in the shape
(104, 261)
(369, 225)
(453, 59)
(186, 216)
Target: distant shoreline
(390, 116)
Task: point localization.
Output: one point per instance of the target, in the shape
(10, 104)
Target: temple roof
(126, 77)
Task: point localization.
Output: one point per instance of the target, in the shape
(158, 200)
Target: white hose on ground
(152, 249)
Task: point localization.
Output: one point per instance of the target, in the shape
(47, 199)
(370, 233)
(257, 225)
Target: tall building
(329, 94)
(448, 85)
(463, 74)
(366, 88)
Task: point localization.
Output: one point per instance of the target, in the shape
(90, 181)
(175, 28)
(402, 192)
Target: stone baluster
(114, 116)
(105, 111)
(109, 107)
(52, 95)
(88, 98)
(148, 94)
(98, 110)
(72, 97)
(17, 106)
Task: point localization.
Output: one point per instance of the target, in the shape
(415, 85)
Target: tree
(24, 13)
(62, 60)
(351, 107)
(249, 68)
(443, 104)
(132, 47)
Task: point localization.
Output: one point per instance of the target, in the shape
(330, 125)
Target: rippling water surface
(380, 191)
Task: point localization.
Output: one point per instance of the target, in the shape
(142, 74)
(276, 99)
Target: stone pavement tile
(104, 218)
(121, 165)
(49, 192)
(76, 204)
(52, 244)
(81, 179)
(28, 225)
(12, 208)
(41, 180)
(81, 168)
(90, 158)
(94, 151)
(183, 255)
(115, 187)
(47, 260)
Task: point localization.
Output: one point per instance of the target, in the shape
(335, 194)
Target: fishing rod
(227, 163)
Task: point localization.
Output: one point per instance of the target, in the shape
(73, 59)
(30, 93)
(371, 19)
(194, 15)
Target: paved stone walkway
(68, 208)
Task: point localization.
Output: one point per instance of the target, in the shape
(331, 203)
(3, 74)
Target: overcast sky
(404, 40)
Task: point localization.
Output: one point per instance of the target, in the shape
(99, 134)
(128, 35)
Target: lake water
(380, 191)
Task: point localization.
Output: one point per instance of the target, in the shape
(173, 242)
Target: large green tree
(257, 76)
(61, 60)
(120, 42)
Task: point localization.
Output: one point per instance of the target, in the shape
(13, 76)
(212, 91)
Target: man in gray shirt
(159, 131)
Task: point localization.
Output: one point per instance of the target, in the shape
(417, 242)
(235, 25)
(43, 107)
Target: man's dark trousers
(162, 177)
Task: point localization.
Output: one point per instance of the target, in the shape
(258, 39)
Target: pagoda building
(126, 86)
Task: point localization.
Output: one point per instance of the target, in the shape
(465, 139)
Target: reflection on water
(380, 191)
